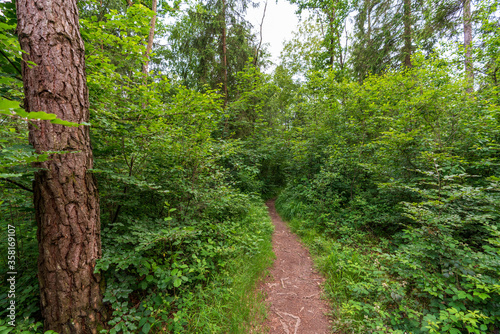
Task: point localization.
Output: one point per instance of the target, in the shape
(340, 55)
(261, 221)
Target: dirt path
(293, 286)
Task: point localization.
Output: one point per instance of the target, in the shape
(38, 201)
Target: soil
(293, 287)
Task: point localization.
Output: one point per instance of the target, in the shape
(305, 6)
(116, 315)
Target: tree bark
(407, 33)
(145, 66)
(468, 45)
(65, 193)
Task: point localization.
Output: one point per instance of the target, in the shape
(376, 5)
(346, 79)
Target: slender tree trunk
(257, 51)
(65, 193)
(331, 25)
(341, 56)
(369, 17)
(224, 53)
(407, 33)
(145, 66)
(468, 45)
(335, 39)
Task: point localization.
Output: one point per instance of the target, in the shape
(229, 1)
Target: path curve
(293, 286)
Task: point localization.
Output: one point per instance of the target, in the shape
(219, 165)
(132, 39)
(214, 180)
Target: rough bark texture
(65, 194)
(407, 33)
(468, 45)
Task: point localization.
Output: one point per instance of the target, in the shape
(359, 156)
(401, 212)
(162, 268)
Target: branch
(17, 184)
(260, 42)
(13, 65)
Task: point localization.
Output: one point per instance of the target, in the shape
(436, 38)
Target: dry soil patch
(293, 286)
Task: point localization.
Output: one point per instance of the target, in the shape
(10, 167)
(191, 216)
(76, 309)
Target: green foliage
(394, 185)
(185, 237)
(194, 55)
(392, 179)
(186, 276)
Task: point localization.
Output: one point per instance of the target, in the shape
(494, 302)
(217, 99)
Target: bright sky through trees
(279, 23)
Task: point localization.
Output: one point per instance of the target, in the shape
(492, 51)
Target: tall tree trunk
(224, 53)
(468, 45)
(335, 39)
(65, 193)
(341, 56)
(369, 17)
(330, 34)
(407, 33)
(257, 51)
(145, 66)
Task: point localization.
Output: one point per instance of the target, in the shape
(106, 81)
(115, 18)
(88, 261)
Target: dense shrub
(395, 187)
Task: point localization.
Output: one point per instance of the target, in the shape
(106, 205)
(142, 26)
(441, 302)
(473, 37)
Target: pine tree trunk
(224, 53)
(407, 33)
(145, 66)
(468, 45)
(65, 193)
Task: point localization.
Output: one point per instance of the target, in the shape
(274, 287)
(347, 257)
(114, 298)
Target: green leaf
(7, 104)
(62, 122)
(41, 115)
(146, 328)
(143, 321)
(4, 175)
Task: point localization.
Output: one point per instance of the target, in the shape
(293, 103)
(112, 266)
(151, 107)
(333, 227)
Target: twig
(285, 327)
(260, 42)
(14, 65)
(297, 324)
(17, 184)
(314, 294)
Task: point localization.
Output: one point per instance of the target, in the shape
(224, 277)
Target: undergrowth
(181, 277)
(421, 286)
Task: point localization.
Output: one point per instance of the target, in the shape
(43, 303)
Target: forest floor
(293, 287)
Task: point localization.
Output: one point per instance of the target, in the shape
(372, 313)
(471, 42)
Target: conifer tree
(65, 192)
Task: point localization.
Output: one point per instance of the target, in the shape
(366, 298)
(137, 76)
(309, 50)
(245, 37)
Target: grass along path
(293, 286)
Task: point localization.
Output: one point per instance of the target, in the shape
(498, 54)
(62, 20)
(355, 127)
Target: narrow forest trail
(292, 288)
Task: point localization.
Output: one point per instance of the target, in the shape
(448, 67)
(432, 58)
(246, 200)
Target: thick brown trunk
(224, 54)
(468, 46)
(65, 193)
(407, 33)
(145, 66)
